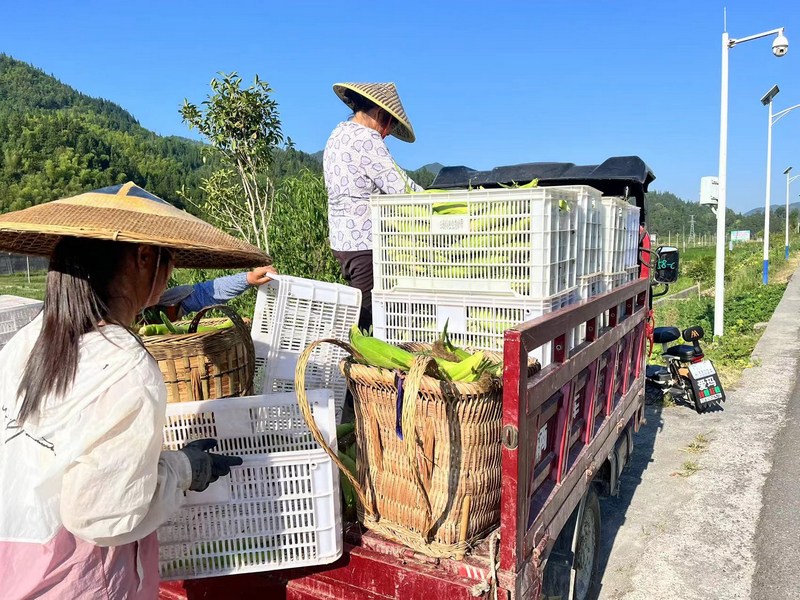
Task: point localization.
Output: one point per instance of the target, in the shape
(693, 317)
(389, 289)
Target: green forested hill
(667, 213)
(55, 141)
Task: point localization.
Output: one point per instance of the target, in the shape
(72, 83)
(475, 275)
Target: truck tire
(572, 566)
(587, 550)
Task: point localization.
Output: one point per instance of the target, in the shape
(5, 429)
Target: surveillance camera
(780, 46)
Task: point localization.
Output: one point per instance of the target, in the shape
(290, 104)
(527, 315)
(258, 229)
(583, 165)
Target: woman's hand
(261, 275)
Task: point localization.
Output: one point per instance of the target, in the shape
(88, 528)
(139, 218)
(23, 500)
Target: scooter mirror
(666, 270)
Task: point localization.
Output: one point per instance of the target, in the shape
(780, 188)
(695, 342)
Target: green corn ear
(344, 429)
(167, 323)
(347, 487)
(444, 337)
(146, 330)
(378, 353)
(467, 370)
(450, 208)
(351, 452)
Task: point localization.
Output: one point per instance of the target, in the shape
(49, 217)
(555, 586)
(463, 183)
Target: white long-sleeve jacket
(87, 477)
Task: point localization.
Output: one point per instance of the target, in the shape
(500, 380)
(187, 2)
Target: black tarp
(616, 176)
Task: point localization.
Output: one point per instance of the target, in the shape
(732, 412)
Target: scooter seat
(685, 352)
(665, 335)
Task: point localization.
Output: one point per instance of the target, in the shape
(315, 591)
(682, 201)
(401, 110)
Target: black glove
(207, 467)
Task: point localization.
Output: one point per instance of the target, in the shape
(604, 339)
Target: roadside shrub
(700, 270)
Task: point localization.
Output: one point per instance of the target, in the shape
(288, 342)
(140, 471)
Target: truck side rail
(561, 424)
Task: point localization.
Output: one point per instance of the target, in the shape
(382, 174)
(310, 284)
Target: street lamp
(766, 100)
(788, 181)
(779, 48)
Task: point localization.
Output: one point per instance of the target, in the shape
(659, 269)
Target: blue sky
(484, 83)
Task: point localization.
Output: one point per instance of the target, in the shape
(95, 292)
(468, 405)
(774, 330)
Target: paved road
(672, 535)
(778, 533)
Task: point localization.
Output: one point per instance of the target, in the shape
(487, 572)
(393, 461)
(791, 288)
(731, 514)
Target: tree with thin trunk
(243, 128)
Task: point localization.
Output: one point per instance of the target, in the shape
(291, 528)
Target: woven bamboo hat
(384, 95)
(125, 213)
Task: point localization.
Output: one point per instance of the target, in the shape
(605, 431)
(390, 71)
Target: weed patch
(688, 468)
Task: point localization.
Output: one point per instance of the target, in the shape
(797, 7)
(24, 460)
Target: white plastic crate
(519, 242)
(614, 280)
(631, 248)
(290, 314)
(279, 509)
(590, 286)
(15, 313)
(590, 232)
(632, 273)
(615, 219)
(473, 320)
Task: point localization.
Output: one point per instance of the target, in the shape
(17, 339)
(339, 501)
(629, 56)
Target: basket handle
(409, 420)
(305, 409)
(247, 338)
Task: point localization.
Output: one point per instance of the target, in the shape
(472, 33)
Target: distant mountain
(432, 168)
(774, 207)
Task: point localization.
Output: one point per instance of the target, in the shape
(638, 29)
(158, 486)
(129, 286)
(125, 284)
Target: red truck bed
(561, 431)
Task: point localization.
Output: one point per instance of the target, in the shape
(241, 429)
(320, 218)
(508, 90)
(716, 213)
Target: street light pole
(719, 275)
(719, 272)
(788, 181)
(766, 100)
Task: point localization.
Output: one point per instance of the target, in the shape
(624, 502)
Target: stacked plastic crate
(590, 243)
(279, 509)
(15, 313)
(480, 261)
(620, 242)
(632, 242)
(290, 314)
(615, 216)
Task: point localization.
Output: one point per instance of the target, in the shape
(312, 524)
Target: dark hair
(358, 102)
(76, 299)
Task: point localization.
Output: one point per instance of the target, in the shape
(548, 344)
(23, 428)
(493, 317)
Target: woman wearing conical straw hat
(357, 163)
(85, 483)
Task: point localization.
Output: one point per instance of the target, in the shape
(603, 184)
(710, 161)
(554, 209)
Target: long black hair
(76, 300)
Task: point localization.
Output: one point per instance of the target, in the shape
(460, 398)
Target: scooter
(686, 374)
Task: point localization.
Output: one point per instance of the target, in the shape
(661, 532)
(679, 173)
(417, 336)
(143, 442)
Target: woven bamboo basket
(206, 365)
(436, 490)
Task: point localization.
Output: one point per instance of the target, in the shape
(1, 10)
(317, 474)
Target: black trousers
(357, 272)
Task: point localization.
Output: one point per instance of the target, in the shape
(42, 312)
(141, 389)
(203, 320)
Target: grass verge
(747, 302)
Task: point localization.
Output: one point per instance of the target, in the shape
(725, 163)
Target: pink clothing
(67, 568)
(85, 483)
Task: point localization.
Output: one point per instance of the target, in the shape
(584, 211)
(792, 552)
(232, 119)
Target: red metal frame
(536, 499)
(535, 510)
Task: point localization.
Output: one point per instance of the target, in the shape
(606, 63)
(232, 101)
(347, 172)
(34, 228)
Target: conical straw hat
(384, 95)
(125, 213)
